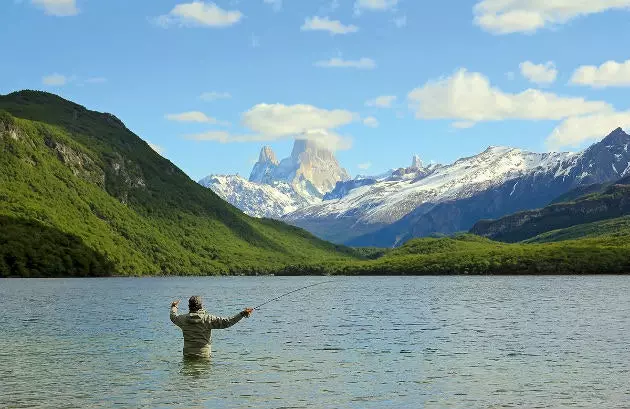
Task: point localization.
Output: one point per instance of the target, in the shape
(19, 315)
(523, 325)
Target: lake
(359, 342)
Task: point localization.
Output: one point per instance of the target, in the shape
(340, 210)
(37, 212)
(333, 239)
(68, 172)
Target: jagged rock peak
(267, 155)
(416, 162)
(617, 136)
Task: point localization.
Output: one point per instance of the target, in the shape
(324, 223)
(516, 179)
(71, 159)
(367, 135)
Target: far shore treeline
(82, 196)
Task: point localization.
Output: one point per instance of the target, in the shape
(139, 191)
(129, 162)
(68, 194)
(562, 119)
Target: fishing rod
(291, 292)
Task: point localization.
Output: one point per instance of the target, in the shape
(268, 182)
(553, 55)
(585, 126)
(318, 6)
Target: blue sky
(209, 83)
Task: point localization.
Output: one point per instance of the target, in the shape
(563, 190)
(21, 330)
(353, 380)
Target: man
(197, 326)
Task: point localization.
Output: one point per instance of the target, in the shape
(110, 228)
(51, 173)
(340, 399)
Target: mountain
(80, 194)
(419, 202)
(277, 187)
(609, 201)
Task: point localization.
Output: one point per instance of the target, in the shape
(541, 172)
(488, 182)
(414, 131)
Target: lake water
(367, 342)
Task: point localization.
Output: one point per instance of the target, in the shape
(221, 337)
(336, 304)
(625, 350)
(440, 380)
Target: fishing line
(291, 292)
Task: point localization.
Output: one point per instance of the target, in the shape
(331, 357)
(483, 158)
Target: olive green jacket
(197, 328)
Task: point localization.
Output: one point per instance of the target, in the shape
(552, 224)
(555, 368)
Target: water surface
(370, 342)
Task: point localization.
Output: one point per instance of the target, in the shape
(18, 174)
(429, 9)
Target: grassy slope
(84, 174)
(613, 231)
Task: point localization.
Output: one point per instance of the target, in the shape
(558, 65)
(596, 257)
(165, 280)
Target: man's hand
(174, 304)
(247, 312)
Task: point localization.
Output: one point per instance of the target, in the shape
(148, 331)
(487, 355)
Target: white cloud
(325, 24)
(362, 64)
(469, 97)
(374, 5)
(199, 13)
(371, 122)
(192, 116)
(511, 16)
(574, 131)
(510, 75)
(270, 122)
(286, 120)
(364, 166)
(276, 4)
(55, 80)
(541, 74)
(59, 8)
(384, 101)
(609, 74)
(213, 96)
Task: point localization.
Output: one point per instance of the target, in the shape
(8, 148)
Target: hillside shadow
(29, 248)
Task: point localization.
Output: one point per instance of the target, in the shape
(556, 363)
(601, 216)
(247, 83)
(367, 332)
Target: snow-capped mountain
(277, 187)
(418, 201)
(256, 199)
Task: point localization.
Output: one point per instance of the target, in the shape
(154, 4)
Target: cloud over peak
(270, 122)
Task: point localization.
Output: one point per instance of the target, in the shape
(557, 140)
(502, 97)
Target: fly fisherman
(197, 326)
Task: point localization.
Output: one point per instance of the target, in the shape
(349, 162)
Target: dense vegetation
(80, 195)
(468, 254)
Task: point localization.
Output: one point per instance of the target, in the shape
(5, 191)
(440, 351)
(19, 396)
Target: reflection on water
(432, 342)
(196, 368)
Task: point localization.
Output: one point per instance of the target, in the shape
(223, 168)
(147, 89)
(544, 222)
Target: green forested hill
(79, 180)
(601, 202)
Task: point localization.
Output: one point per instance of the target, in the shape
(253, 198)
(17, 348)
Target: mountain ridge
(83, 174)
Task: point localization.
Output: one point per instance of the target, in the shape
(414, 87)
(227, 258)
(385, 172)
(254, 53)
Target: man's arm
(174, 315)
(222, 323)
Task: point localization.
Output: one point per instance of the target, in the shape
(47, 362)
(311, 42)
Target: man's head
(194, 303)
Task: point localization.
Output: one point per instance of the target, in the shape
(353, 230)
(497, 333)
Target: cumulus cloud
(469, 97)
(371, 122)
(527, 16)
(55, 80)
(574, 131)
(192, 116)
(384, 101)
(326, 24)
(270, 122)
(213, 96)
(609, 74)
(201, 14)
(59, 8)
(361, 64)
(541, 74)
(286, 120)
(374, 5)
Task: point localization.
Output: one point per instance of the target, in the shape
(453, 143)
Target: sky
(207, 84)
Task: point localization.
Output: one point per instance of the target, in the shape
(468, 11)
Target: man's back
(197, 329)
